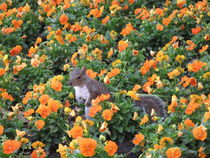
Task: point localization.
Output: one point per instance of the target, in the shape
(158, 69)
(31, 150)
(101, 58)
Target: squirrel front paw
(88, 104)
(87, 109)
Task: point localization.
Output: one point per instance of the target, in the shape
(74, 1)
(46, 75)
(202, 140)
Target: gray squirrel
(87, 89)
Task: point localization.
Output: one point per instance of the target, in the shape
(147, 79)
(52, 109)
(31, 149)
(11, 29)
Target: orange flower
(196, 30)
(100, 98)
(113, 73)
(91, 73)
(191, 108)
(94, 110)
(56, 85)
(189, 123)
(144, 120)
(105, 20)
(46, 8)
(159, 11)
(111, 148)
(110, 53)
(180, 3)
(10, 146)
(87, 146)
(44, 99)
(2, 72)
(203, 49)
(7, 30)
(127, 30)
(1, 129)
(76, 27)
(159, 27)
(186, 81)
(38, 153)
(17, 23)
(147, 66)
(200, 133)
(173, 152)
(43, 110)
(107, 114)
(138, 139)
(31, 51)
(158, 147)
(3, 7)
(7, 96)
(35, 62)
(103, 127)
(96, 12)
(63, 19)
(75, 132)
(201, 154)
(102, 72)
(135, 52)
(122, 45)
(53, 105)
(28, 112)
(166, 21)
(39, 124)
(16, 50)
(191, 45)
(173, 105)
(196, 65)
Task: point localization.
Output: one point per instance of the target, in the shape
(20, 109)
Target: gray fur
(149, 102)
(78, 78)
(94, 87)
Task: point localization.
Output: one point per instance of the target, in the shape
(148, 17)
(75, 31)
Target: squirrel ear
(83, 69)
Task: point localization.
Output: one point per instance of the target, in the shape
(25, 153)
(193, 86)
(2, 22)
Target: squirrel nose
(70, 83)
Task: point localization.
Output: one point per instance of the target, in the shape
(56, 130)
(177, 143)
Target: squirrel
(87, 89)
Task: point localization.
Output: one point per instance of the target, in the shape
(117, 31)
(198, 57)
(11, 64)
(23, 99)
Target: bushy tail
(149, 102)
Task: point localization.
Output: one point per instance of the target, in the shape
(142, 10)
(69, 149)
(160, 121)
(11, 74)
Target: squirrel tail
(149, 102)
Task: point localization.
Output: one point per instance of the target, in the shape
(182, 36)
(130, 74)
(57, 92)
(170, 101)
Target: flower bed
(134, 47)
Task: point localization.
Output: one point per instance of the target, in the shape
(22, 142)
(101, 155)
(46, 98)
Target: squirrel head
(78, 77)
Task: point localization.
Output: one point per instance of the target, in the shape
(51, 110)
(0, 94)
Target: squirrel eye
(79, 77)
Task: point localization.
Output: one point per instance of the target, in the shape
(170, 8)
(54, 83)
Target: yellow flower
(174, 73)
(73, 113)
(66, 67)
(24, 140)
(67, 110)
(116, 62)
(89, 123)
(180, 58)
(133, 95)
(166, 139)
(144, 120)
(62, 150)
(78, 119)
(71, 95)
(37, 144)
(58, 77)
(20, 133)
(135, 115)
(206, 75)
(113, 34)
(160, 128)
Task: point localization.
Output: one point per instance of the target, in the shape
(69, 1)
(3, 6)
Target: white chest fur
(82, 93)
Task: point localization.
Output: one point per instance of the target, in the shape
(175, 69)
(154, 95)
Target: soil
(126, 148)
